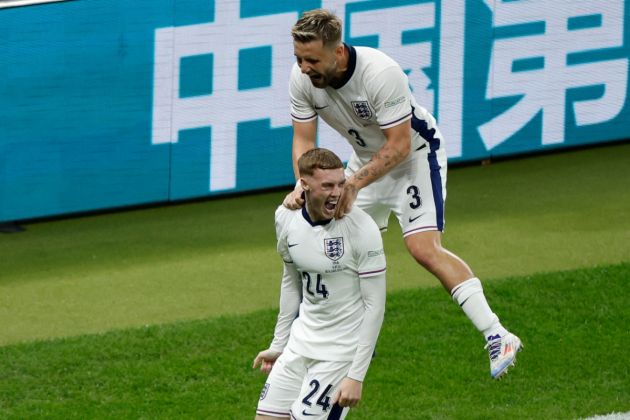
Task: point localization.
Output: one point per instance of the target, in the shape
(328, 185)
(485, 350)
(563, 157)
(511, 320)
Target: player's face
(323, 190)
(318, 62)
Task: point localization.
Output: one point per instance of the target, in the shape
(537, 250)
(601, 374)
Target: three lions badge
(333, 248)
(362, 109)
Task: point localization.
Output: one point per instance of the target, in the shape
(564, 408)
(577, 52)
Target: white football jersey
(375, 96)
(331, 259)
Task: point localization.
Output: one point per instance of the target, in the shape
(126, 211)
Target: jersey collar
(352, 64)
(311, 222)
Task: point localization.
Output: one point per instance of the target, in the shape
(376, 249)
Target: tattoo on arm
(381, 163)
(387, 159)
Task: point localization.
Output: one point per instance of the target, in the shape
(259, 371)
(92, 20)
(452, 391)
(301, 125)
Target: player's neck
(308, 215)
(342, 68)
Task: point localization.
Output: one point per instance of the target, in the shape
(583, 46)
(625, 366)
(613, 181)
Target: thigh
(376, 200)
(371, 201)
(318, 389)
(283, 385)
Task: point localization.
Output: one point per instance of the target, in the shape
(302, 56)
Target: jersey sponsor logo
(263, 392)
(333, 248)
(413, 219)
(389, 104)
(306, 413)
(317, 108)
(362, 109)
(292, 245)
(376, 253)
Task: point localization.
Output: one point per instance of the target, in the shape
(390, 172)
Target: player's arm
(396, 149)
(373, 292)
(290, 298)
(304, 138)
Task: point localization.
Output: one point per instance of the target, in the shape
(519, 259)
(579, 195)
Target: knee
(428, 254)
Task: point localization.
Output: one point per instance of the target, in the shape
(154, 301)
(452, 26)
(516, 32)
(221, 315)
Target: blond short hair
(318, 24)
(318, 158)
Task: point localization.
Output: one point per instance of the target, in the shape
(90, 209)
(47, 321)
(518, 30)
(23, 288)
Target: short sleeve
(392, 101)
(301, 107)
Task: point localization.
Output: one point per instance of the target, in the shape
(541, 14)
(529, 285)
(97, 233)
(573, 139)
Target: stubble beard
(326, 79)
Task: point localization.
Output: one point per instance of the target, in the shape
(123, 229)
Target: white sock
(469, 295)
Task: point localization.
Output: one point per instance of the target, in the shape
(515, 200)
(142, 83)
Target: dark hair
(318, 158)
(318, 24)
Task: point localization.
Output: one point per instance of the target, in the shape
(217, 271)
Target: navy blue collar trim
(308, 218)
(352, 65)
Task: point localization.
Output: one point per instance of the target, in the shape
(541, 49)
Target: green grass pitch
(163, 309)
(429, 364)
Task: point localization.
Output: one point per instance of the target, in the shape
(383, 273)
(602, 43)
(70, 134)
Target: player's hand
(348, 196)
(266, 359)
(294, 200)
(349, 393)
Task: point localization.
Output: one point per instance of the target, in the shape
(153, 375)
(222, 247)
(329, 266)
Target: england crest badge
(263, 392)
(333, 248)
(362, 109)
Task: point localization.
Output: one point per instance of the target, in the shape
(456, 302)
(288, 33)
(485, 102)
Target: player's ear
(304, 184)
(339, 50)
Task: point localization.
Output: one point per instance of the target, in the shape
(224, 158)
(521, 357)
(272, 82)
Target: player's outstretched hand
(266, 359)
(349, 393)
(348, 196)
(294, 200)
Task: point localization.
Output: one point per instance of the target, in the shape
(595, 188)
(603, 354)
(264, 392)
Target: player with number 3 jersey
(398, 164)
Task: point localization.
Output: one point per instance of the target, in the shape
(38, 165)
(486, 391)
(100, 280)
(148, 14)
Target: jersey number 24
(320, 287)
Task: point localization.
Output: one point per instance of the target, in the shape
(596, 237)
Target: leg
(458, 279)
(420, 211)
(282, 387)
(318, 389)
(426, 248)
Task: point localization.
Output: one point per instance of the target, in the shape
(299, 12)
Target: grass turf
(430, 362)
(197, 260)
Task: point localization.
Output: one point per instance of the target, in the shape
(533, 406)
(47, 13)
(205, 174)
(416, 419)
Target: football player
(398, 162)
(332, 300)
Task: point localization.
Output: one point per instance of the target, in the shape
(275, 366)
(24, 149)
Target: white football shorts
(302, 388)
(415, 191)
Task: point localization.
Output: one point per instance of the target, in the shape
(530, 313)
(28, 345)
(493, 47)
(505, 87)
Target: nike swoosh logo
(292, 245)
(412, 219)
(304, 413)
(320, 107)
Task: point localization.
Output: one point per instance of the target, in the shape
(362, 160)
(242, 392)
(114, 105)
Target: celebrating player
(398, 162)
(334, 279)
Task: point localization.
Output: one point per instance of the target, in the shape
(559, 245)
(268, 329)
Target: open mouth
(330, 205)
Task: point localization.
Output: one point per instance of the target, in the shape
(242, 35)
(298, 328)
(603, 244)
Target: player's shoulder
(360, 220)
(284, 214)
(376, 69)
(371, 58)
(295, 70)
(361, 230)
(283, 219)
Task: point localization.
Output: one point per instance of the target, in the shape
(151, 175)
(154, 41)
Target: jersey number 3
(414, 192)
(354, 133)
